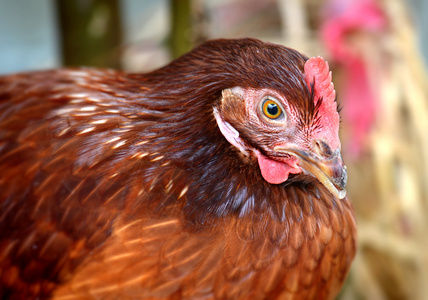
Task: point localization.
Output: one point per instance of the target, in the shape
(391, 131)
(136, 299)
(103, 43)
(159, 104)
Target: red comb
(317, 73)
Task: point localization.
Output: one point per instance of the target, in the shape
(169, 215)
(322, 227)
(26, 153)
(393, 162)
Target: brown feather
(120, 186)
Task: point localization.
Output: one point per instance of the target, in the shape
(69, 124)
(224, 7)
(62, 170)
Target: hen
(218, 176)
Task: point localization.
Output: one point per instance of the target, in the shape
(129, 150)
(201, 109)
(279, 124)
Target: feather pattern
(121, 186)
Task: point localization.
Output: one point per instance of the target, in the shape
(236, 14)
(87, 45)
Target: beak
(330, 171)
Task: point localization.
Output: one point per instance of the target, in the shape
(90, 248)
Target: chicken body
(127, 186)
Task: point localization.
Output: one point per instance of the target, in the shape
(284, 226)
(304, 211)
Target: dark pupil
(272, 109)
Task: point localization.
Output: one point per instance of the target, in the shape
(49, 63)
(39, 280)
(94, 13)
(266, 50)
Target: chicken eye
(271, 109)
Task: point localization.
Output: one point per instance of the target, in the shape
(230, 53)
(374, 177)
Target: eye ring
(271, 109)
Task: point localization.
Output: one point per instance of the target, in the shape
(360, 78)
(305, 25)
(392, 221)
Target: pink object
(277, 172)
(344, 18)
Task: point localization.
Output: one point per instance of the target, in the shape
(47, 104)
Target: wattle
(276, 172)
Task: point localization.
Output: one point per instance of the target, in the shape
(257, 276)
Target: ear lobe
(232, 107)
(232, 102)
(230, 133)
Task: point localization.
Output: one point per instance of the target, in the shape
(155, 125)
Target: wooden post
(181, 27)
(90, 32)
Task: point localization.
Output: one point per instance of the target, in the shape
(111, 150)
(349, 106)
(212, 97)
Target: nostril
(322, 148)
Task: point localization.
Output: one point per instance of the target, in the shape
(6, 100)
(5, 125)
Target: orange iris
(271, 109)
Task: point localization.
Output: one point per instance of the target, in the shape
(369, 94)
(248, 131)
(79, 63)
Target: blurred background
(376, 49)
